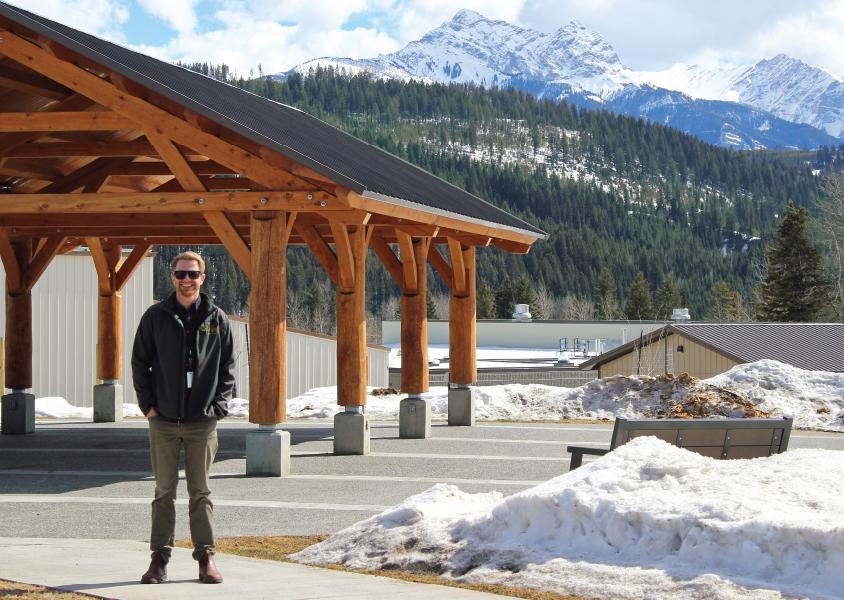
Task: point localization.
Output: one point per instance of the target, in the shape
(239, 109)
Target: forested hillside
(612, 192)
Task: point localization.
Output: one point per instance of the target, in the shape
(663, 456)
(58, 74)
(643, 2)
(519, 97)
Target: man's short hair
(188, 256)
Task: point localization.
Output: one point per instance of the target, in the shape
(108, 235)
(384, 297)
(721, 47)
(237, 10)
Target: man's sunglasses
(189, 274)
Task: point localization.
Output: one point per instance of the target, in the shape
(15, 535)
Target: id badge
(189, 379)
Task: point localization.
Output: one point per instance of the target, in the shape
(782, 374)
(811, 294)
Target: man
(182, 368)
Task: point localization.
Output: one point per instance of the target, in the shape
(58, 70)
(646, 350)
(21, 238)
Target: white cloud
(103, 18)
(179, 14)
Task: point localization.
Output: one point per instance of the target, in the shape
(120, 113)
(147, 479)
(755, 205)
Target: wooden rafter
(458, 266)
(180, 167)
(105, 275)
(99, 148)
(106, 94)
(321, 250)
(18, 122)
(8, 141)
(130, 265)
(388, 258)
(231, 239)
(345, 257)
(441, 266)
(96, 170)
(31, 83)
(41, 260)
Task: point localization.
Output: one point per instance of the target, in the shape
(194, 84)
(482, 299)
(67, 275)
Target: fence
(504, 376)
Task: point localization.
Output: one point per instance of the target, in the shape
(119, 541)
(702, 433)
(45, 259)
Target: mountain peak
(465, 16)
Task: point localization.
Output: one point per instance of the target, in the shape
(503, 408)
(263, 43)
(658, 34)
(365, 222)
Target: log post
(18, 407)
(415, 413)
(268, 448)
(462, 342)
(351, 429)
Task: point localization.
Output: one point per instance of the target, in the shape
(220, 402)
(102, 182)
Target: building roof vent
(522, 313)
(680, 315)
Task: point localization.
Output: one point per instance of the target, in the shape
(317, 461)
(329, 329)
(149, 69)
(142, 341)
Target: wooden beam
(169, 202)
(176, 161)
(351, 327)
(104, 274)
(388, 258)
(101, 148)
(512, 246)
(31, 83)
(130, 265)
(83, 175)
(408, 262)
(458, 267)
(200, 167)
(41, 260)
(345, 256)
(320, 249)
(462, 328)
(414, 324)
(441, 266)
(110, 336)
(268, 320)
(137, 109)
(231, 239)
(10, 262)
(72, 103)
(17, 122)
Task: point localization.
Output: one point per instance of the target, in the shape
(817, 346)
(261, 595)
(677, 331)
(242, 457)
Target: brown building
(708, 349)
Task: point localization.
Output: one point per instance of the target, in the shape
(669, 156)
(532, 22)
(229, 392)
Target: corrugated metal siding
(64, 327)
(311, 362)
(695, 359)
(699, 361)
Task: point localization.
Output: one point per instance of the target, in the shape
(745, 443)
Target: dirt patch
(685, 397)
(26, 591)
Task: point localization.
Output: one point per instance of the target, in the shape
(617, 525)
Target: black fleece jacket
(158, 362)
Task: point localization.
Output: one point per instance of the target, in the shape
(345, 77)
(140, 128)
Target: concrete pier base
(18, 413)
(351, 432)
(415, 418)
(268, 451)
(108, 403)
(461, 406)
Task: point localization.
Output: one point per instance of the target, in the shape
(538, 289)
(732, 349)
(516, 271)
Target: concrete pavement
(106, 568)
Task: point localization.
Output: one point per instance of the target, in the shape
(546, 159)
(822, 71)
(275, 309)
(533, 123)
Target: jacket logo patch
(210, 329)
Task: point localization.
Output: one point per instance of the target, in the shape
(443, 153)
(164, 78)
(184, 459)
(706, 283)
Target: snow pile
(59, 408)
(647, 520)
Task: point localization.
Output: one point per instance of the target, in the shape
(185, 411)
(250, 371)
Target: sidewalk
(112, 568)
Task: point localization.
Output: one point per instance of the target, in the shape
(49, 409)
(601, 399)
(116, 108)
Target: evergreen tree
(485, 302)
(432, 307)
(723, 303)
(523, 294)
(666, 298)
(795, 288)
(606, 303)
(639, 304)
(504, 300)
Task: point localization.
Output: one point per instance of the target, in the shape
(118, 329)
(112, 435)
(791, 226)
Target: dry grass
(280, 547)
(25, 591)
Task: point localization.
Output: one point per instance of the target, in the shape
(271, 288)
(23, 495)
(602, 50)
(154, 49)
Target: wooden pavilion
(105, 147)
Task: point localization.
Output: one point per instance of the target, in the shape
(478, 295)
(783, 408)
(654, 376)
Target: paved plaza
(78, 482)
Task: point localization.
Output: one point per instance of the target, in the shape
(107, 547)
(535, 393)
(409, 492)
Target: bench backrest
(717, 438)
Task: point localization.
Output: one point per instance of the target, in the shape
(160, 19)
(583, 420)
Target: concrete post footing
(415, 418)
(461, 406)
(108, 403)
(268, 451)
(18, 413)
(351, 433)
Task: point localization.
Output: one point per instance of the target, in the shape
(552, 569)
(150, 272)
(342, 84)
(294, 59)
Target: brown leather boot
(208, 572)
(157, 572)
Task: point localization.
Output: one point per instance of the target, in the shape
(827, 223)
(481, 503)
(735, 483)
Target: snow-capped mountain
(784, 86)
(735, 109)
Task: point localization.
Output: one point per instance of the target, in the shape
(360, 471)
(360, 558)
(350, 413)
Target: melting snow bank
(647, 520)
(59, 408)
(766, 388)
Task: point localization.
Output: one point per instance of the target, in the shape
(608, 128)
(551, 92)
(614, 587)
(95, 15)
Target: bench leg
(576, 460)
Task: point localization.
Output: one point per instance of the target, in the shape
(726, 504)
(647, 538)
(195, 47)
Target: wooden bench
(718, 438)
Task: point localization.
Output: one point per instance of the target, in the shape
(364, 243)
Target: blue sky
(278, 34)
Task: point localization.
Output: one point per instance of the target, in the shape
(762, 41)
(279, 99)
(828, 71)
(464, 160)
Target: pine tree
(795, 288)
(639, 305)
(485, 302)
(723, 303)
(666, 298)
(432, 307)
(523, 294)
(606, 303)
(504, 300)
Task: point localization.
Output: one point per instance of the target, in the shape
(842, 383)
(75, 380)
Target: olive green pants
(199, 440)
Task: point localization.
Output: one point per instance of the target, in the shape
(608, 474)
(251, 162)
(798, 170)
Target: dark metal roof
(813, 346)
(359, 166)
